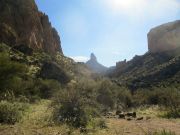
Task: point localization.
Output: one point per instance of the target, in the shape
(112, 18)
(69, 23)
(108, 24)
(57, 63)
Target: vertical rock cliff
(22, 23)
(165, 37)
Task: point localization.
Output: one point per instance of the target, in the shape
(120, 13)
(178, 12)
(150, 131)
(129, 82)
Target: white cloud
(80, 58)
(141, 8)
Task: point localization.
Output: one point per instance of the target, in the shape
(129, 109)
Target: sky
(113, 30)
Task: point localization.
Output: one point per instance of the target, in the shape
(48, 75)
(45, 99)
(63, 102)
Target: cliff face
(22, 23)
(165, 37)
(94, 65)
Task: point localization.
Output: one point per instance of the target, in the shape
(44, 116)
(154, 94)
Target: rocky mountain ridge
(160, 66)
(21, 23)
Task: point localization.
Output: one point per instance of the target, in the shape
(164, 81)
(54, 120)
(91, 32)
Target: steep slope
(22, 24)
(160, 66)
(27, 37)
(94, 65)
(151, 69)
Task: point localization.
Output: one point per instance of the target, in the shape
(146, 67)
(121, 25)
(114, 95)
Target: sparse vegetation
(73, 105)
(164, 132)
(10, 113)
(80, 102)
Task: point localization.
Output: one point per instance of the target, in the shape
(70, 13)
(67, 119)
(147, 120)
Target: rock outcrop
(22, 23)
(160, 66)
(164, 37)
(94, 65)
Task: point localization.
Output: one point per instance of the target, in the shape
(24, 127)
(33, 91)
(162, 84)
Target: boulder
(131, 114)
(24, 49)
(121, 116)
(51, 70)
(118, 112)
(140, 118)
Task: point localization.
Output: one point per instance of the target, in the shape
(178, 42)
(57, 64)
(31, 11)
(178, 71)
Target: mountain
(22, 24)
(160, 66)
(164, 37)
(94, 65)
(27, 37)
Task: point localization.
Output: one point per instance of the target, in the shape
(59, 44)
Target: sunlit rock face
(22, 23)
(94, 65)
(164, 37)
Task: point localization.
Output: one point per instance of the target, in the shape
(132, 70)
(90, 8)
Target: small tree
(75, 105)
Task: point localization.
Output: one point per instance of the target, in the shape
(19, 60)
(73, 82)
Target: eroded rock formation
(94, 65)
(22, 23)
(164, 37)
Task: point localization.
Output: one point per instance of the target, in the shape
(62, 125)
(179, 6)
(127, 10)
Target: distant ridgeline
(160, 66)
(21, 24)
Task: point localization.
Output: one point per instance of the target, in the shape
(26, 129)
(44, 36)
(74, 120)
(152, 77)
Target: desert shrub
(106, 95)
(170, 98)
(4, 47)
(164, 132)
(51, 70)
(9, 70)
(171, 114)
(10, 75)
(10, 113)
(75, 105)
(70, 109)
(145, 97)
(124, 98)
(34, 88)
(48, 88)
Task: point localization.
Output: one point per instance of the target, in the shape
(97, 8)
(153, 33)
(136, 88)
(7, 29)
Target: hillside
(149, 70)
(160, 66)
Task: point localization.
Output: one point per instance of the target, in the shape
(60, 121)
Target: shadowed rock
(22, 23)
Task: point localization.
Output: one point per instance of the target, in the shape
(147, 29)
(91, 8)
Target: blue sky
(112, 29)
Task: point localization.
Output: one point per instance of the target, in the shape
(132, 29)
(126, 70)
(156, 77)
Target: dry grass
(37, 121)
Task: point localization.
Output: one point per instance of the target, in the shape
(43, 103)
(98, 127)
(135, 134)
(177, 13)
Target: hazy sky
(112, 29)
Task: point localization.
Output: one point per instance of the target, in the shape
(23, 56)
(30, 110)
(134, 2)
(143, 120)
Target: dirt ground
(124, 127)
(35, 122)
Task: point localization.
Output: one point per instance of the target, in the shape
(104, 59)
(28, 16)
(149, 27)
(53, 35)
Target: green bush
(10, 113)
(76, 105)
(70, 109)
(10, 73)
(124, 98)
(106, 95)
(170, 99)
(171, 114)
(48, 88)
